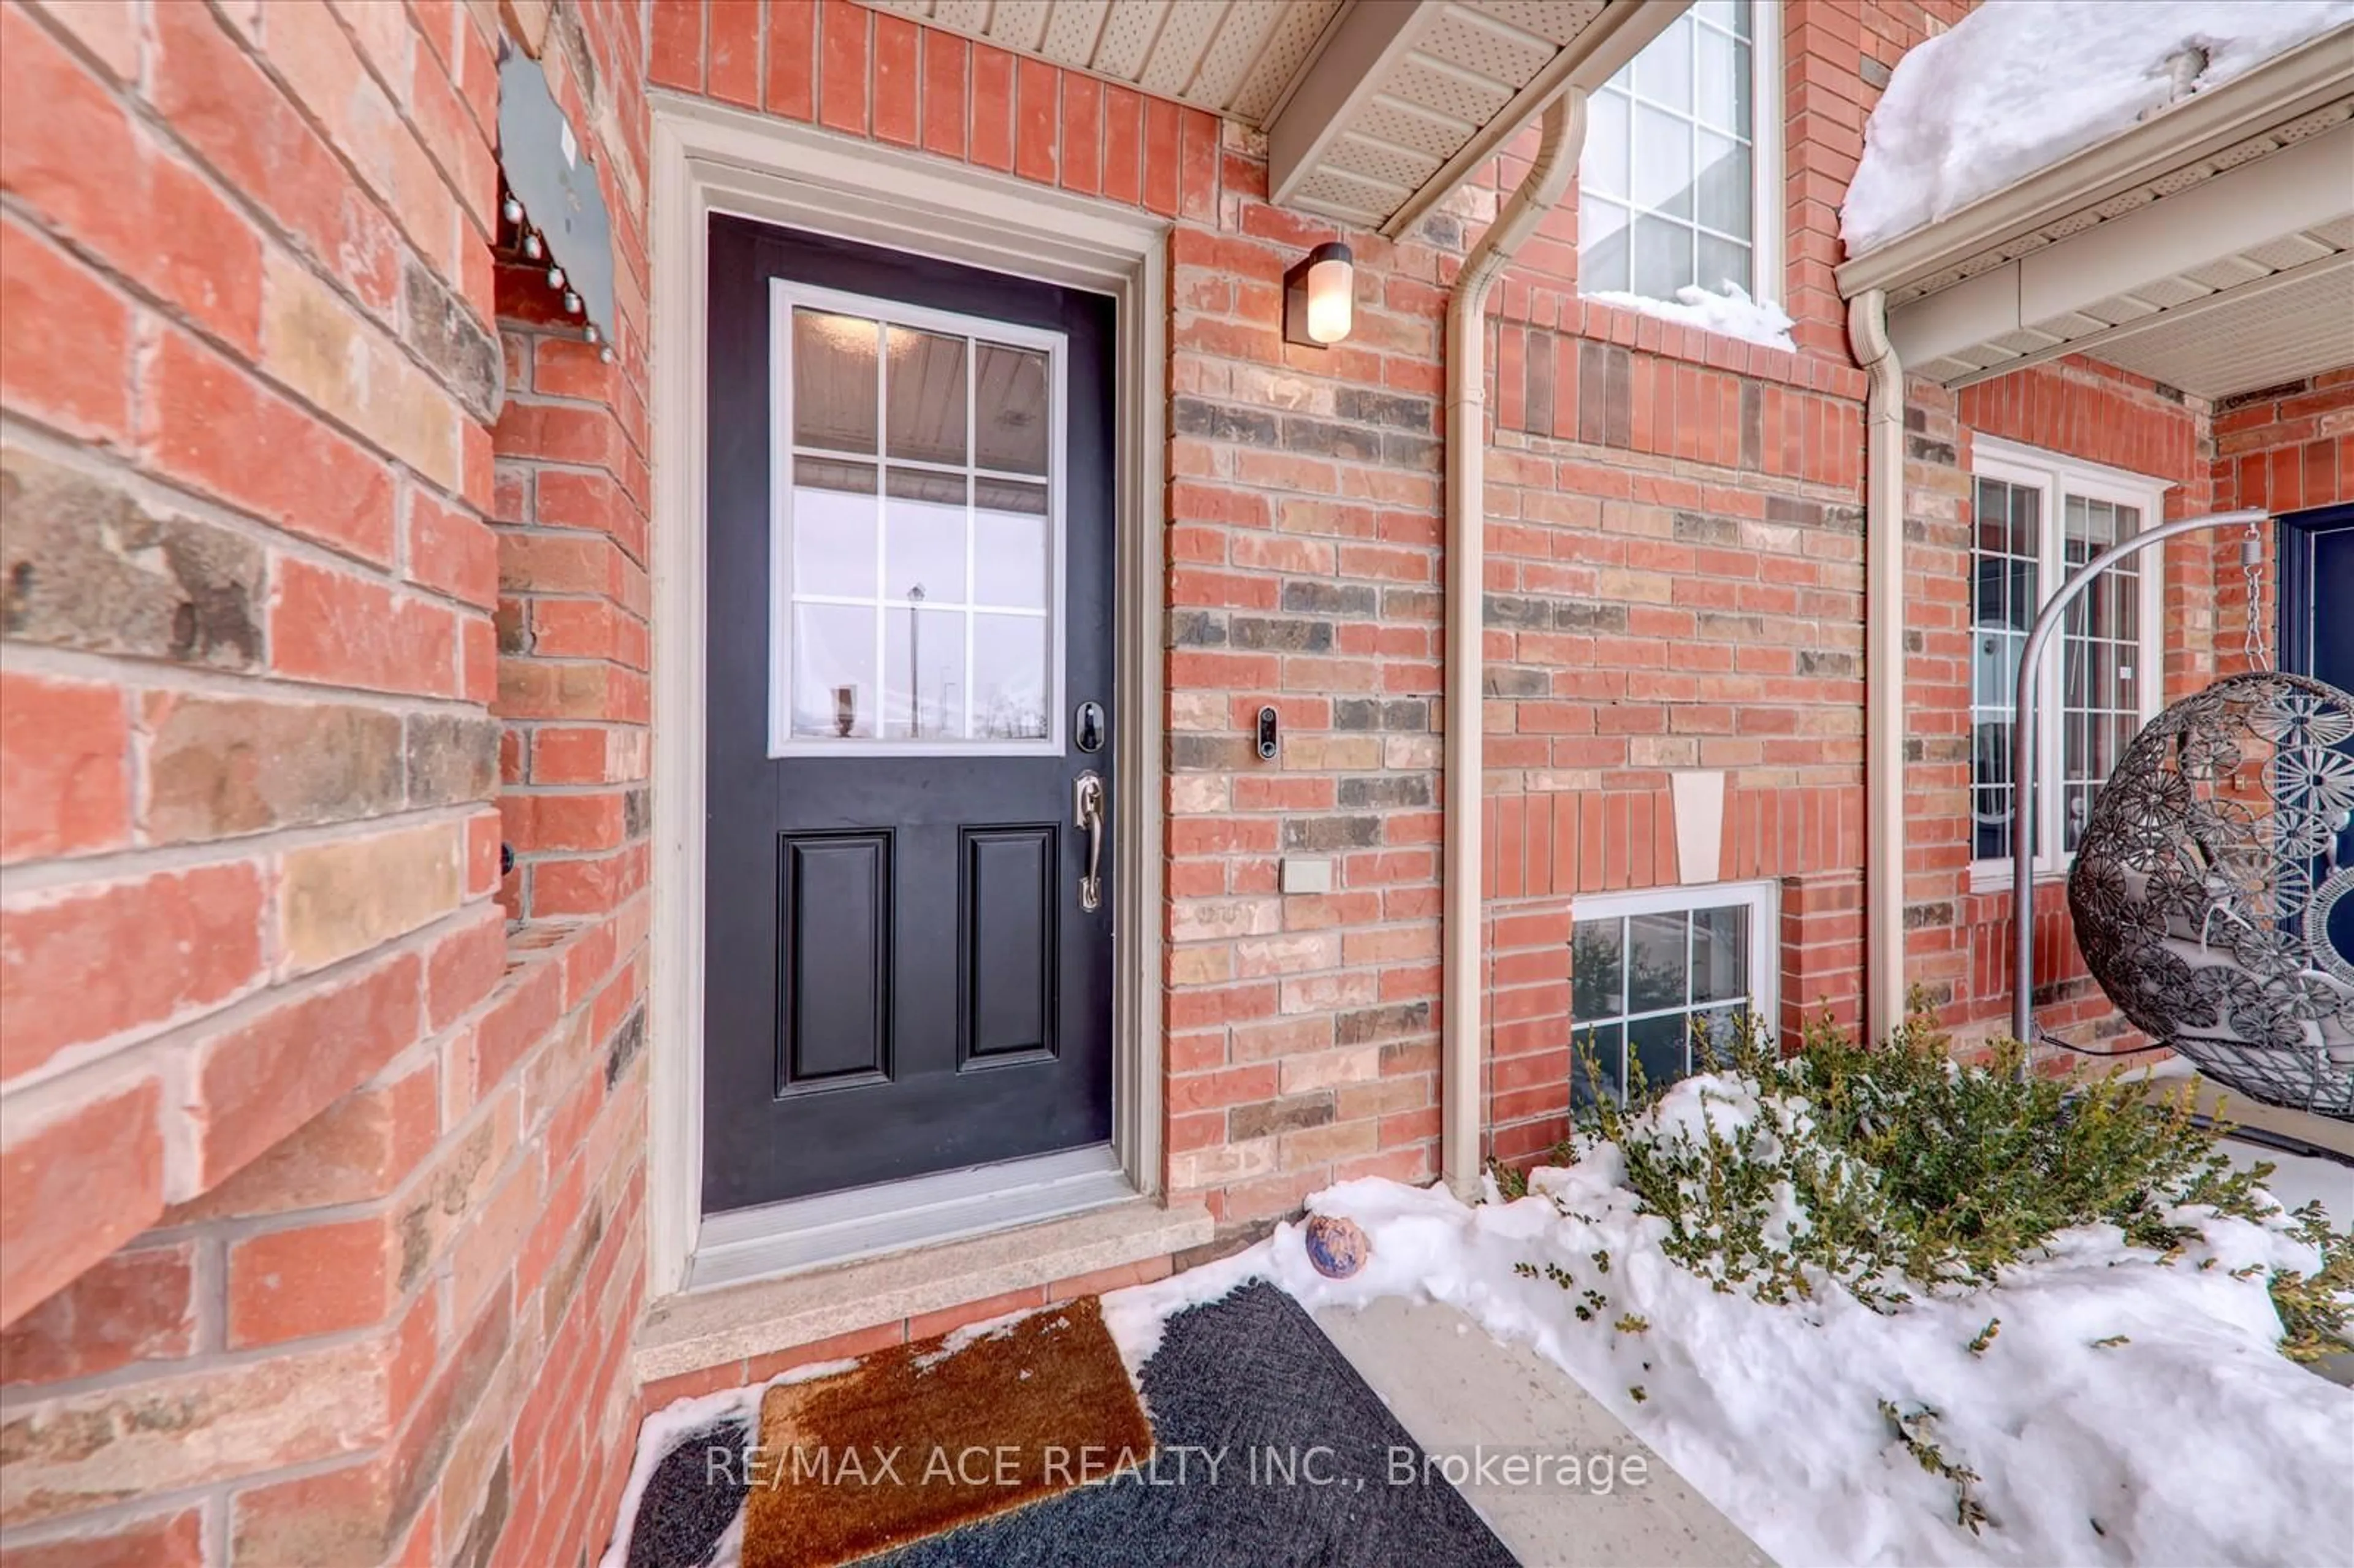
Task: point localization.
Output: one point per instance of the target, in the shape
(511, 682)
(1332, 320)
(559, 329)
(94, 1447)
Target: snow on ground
(1732, 313)
(661, 1432)
(2300, 1179)
(2013, 89)
(2192, 1440)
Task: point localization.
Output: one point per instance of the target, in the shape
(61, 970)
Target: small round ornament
(1338, 1247)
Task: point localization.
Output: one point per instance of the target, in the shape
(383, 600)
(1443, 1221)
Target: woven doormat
(926, 1438)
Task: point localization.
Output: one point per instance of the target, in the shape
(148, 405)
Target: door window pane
(1013, 421)
(2005, 596)
(835, 689)
(925, 535)
(835, 381)
(1011, 552)
(926, 411)
(923, 670)
(1009, 664)
(834, 533)
(2100, 640)
(920, 574)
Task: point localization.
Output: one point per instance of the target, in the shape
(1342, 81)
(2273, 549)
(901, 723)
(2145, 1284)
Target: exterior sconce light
(1319, 297)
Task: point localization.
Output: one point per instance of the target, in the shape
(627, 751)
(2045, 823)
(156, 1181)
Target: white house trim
(708, 159)
(2054, 475)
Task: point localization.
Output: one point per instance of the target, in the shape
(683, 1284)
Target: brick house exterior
(329, 572)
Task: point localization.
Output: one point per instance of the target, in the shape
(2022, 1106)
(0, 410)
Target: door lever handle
(1087, 807)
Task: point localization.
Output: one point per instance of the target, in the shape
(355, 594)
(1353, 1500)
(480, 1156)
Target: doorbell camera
(1267, 733)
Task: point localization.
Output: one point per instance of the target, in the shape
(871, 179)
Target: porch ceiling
(1373, 110)
(2210, 247)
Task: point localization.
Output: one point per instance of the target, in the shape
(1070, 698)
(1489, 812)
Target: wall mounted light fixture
(1319, 297)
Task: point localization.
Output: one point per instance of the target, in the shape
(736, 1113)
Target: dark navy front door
(908, 867)
(2316, 632)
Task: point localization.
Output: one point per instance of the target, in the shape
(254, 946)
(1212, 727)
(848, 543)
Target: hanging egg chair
(2206, 880)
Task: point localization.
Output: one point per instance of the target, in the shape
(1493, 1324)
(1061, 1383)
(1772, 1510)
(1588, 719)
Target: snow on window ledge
(1732, 313)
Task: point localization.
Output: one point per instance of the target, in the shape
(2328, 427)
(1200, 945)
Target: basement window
(1650, 971)
(1680, 180)
(2036, 518)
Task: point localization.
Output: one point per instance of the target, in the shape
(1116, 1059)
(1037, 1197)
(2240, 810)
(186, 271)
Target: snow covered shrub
(1900, 1170)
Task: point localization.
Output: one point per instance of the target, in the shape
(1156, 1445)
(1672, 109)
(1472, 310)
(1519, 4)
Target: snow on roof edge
(1974, 112)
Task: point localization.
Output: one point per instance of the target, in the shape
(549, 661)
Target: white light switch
(1306, 873)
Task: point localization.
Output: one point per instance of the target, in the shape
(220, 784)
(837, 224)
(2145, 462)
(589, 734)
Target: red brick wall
(326, 574)
(1959, 941)
(1675, 580)
(311, 1159)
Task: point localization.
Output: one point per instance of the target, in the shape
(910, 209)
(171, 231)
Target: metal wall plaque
(549, 169)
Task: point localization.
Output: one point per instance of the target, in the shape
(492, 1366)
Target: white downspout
(1559, 143)
(1884, 653)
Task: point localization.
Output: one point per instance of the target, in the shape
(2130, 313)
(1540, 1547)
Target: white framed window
(1649, 970)
(915, 535)
(1680, 181)
(2036, 518)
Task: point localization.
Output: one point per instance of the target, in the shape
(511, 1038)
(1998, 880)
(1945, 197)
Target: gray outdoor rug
(1312, 1472)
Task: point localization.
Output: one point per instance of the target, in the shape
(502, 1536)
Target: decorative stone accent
(85, 565)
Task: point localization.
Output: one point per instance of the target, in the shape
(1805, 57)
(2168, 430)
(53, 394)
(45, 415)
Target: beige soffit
(2182, 244)
(1373, 110)
(2211, 280)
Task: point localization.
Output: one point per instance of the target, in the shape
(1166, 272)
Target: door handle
(1087, 807)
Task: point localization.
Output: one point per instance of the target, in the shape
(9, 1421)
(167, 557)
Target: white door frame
(709, 159)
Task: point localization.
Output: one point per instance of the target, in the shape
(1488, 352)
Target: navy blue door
(910, 657)
(2316, 632)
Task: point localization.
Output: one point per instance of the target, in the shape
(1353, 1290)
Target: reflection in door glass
(923, 670)
(833, 527)
(833, 381)
(918, 543)
(925, 539)
(926, 413)
(1010, 555)
(1011, 386)
(835, 689)
(1009, 659)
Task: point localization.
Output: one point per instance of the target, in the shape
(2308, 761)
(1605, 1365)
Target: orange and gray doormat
(937, 1435)
(1267, 1451)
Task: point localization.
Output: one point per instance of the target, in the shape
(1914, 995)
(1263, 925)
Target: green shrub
(1897, 1169)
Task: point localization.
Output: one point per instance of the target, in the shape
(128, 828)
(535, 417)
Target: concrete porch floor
(1457, 1390)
